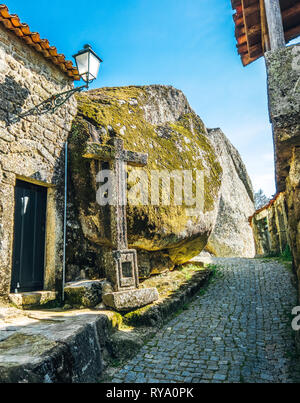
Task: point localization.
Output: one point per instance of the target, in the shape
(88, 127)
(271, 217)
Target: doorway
(29, 237)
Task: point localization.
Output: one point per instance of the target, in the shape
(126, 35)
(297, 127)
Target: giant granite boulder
(232, 235)
(157, 120)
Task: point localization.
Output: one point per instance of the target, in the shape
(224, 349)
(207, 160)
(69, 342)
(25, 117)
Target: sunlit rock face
(159, 121)
(232, 235)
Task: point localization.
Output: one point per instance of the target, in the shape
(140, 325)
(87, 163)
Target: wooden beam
(254, 8)
(292, 33)
(247, 60)
(239, 20)
(235, 3)
(246, 30)
(275, 25)
(265, 41)
(253, 52)
(291, 12)
(241, 40)
(254, 30)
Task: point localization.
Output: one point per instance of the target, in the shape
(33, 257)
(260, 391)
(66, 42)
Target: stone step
(30, 300)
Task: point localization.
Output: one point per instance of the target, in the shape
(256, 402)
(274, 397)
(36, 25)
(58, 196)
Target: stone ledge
(162, 310)
(131, 299)
(28, 300)
(85, 293)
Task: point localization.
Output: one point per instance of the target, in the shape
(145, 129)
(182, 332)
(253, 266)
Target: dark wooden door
(29, 237)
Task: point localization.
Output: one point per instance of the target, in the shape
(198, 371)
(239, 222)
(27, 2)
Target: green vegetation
(286, 254)
(285, 258)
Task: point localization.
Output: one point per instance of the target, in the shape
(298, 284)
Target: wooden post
(265, 40)
(275, 25)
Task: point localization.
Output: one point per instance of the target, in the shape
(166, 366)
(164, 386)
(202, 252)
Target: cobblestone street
(238, 331)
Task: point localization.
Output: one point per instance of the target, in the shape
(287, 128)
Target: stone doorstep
(27, 300)
(131, 299)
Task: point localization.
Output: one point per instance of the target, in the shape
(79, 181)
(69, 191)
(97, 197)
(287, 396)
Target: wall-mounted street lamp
(88, 64)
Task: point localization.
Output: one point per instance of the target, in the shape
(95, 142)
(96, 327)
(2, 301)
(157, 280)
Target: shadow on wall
(13, 97)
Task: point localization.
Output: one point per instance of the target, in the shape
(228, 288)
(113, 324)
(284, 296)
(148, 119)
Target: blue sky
(189, 44)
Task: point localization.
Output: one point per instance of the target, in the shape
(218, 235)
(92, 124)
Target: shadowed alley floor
(238, 331)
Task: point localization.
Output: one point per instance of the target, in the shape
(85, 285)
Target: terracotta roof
(13, 23)
(251, 28)
(267, 206)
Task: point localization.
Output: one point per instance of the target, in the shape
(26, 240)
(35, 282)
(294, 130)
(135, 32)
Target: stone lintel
(28, 300)
(131, 299)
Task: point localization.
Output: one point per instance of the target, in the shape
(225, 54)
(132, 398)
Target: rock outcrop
(232, 235)
(157, 120)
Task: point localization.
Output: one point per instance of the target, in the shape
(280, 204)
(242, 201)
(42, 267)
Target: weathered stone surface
(87, 293)
(178, 296)
(27, 300)
(131, 299)
(224, 335)
(283, 68)
(232, 235)
(121, 269)
(159, 121)
(31, 149)
(53, 348)
(293, 205)
(270, 227)
(154, 263)
(284, 102)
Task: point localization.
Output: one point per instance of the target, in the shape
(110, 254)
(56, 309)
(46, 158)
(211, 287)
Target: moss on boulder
(157, 120)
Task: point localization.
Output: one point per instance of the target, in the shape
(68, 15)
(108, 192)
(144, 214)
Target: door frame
(50, 226)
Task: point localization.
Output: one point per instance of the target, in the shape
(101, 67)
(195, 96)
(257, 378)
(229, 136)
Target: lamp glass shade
(94, 66)
(88, 64)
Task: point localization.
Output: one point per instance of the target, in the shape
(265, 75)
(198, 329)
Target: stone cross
(121, 263)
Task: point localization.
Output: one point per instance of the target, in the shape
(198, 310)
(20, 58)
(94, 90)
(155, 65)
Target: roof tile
(22, 30)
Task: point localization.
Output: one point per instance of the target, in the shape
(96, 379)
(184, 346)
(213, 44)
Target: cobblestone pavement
(238, 331)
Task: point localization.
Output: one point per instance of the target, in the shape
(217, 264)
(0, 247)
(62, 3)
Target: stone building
(31, 159)
(270, 227)
(263, 28)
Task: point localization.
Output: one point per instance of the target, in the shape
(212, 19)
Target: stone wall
(283, 68)
(270, 227)
(31, 149)
(293, 203)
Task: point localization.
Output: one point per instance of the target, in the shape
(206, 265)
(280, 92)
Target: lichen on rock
(232, 235)
(157, 120)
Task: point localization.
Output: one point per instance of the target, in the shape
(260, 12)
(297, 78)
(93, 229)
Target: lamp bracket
(50, 105)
